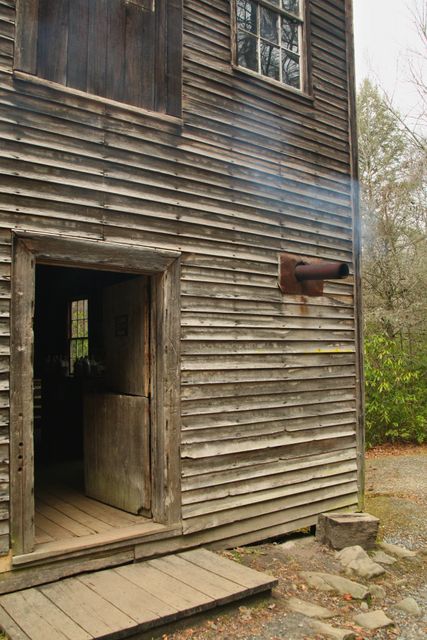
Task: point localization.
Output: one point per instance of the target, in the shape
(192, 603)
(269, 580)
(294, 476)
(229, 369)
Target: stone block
(340, 530)
(373, 620)
(332, 632)
(356, 560)
(397, 550)
(331, 582)
(309, 609)
(409, 605)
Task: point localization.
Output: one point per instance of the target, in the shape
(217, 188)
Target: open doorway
(92, 464)
(156, 272)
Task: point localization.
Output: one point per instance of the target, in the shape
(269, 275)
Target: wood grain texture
(119, 603)
(165, 394)
(117, 450)
(126, 337)
(52, 40)
(26, 34)
(357, 243)
(125, 51)
(77, 50)
(270, 383)
(97, 47)
(116, 50)
(21, 445)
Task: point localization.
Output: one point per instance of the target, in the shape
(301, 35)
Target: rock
(383, 558)
(288, 546)
(357, 560)
(364, 606)
(397, 550)
(373, 620)
(331, 632)
(340, 530)
(308, 609)
(330, 582)
(409, 605)
(297, 543)
(377, 592)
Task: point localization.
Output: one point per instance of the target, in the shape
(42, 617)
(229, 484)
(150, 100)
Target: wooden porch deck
(117, 603)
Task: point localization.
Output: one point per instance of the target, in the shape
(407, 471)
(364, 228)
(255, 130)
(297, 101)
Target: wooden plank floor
(117, 603)
(64, 512)
(68, 522)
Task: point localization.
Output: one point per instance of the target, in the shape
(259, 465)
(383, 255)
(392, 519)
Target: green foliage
(393, 174)
(396, 408)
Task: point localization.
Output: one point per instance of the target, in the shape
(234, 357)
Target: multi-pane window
(79, 331)
(269, 39)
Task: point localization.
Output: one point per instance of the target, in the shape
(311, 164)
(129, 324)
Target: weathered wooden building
(158, 389)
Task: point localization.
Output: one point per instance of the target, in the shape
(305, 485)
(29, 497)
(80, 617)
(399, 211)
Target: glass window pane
(270, 61)
(247, 55)
(247, 15)
(290, 34)
(291, 69)
(269, 25)
(291, 5)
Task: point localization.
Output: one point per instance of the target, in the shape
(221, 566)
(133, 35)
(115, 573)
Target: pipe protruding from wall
(321, 271)
(299, 275)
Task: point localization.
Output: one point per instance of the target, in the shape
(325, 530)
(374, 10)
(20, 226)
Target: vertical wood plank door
(117, 421)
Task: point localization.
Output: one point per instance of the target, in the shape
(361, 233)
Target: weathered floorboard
(118, 603)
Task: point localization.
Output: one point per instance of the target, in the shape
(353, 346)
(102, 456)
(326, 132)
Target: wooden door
(116, 422)
(126, 347)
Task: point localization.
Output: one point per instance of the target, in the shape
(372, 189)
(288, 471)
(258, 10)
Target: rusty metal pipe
(321, 271)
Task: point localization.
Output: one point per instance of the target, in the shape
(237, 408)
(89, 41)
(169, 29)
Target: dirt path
(397, 493)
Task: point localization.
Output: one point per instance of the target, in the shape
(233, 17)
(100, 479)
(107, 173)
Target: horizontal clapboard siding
(7, 33)
(268, 381)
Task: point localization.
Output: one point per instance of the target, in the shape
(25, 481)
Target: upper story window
(126, 50)
(270, 39)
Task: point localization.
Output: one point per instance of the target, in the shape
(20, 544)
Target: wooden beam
(174, 57)
(166, 396)
(96, 254)
(357, 242)
(26, 35)
(307, 61)
(21, 444)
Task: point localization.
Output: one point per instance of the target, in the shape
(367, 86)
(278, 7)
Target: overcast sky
(384, 36)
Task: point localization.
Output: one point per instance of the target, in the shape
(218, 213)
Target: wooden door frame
(164, 268)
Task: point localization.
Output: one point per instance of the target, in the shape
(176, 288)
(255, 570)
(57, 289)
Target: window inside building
(129, 51)
(269, 39)
(79, 332)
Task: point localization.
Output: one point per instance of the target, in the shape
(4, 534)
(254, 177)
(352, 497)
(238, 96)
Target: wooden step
(117, 603)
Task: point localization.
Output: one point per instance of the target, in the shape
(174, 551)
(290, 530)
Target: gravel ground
(396, 491)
